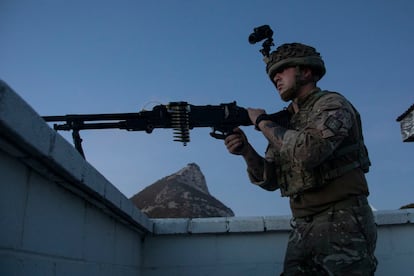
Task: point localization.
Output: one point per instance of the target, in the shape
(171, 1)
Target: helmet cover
(294, 54)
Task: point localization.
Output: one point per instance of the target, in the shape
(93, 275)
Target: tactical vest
(352, 153)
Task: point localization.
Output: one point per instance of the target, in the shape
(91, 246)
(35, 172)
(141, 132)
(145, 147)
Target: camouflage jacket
(322, 147)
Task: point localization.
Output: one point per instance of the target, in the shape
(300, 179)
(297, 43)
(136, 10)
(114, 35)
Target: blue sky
(122, 56)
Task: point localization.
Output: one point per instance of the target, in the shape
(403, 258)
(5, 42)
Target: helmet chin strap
(295, 90)
(292, 93)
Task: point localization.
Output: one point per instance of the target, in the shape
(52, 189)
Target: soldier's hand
(237, 142)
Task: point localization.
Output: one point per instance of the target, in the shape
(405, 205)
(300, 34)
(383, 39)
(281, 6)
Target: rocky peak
(192, 176)
(183, 194)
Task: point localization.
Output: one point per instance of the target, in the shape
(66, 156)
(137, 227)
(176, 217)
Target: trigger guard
(216, 135)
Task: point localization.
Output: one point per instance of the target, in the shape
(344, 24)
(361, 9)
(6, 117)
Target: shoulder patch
(333, 124)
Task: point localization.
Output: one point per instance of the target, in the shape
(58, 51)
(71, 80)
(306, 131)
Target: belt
(354, 201)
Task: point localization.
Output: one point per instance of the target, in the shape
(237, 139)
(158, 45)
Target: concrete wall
(59, 216)
(216, 246)
(256, 245)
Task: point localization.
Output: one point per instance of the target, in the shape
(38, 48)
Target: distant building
(407, 124)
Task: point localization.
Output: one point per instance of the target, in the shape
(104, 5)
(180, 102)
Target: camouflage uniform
(321, 167)
(338, 241)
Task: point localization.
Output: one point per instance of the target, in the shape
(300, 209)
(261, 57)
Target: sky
(107, 56)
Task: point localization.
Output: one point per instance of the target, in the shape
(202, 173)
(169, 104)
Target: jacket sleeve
(267, 180)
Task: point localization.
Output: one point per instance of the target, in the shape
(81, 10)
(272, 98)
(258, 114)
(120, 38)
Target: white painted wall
(48, 230)
(58, 215)
(256, 245)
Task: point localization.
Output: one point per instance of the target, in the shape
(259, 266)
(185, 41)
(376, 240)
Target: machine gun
(179, 116)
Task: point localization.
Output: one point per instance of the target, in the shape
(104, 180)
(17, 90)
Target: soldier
(318, 160)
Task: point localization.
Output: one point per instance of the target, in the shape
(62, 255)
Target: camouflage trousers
(340, 241)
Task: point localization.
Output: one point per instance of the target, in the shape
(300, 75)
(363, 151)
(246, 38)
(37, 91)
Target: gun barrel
(92, 117)
(83, 126)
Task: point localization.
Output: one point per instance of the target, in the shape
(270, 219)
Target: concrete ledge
(27, 137)
(208, 225)
(257, 224)
(171, 226)
(221, 225)
(388, 217)
(246, 224)
(21, 120)
(277, 223)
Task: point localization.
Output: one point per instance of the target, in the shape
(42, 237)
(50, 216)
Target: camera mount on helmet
(260, 33)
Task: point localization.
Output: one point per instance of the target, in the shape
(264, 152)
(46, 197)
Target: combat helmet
(294, 54)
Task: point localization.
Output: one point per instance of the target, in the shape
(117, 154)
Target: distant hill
(183, 194)
(408, 206)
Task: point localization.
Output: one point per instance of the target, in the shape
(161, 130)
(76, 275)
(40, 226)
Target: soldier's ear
(310, 74)
(307, 72)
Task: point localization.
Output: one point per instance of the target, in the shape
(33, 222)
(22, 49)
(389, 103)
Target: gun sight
(260, 33)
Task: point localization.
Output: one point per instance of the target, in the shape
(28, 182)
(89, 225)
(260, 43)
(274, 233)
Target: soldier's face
(286, 83)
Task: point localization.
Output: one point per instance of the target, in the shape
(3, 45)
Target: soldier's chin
(286, 96)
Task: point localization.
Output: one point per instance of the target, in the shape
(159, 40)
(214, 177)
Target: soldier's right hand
(237, 142)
